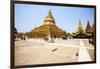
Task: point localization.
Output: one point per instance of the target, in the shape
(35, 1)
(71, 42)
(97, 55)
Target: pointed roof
(80, 29)
(49, 18)
(80, 25)
(88, 27)
(50, 13)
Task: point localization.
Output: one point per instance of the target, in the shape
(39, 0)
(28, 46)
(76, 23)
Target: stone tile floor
(35, 51)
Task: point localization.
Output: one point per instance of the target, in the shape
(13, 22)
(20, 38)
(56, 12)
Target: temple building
(48, 28)
(93, 34)
(88, 28)
(80, 28)
(81, 33)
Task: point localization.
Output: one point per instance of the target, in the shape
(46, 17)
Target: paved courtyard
(37, 51)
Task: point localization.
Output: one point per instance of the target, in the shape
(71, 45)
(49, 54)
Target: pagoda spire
(88, 27)
(49, 13)
(80, 29)
(49, 20)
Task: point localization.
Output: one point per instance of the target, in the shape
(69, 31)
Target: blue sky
(27, 17)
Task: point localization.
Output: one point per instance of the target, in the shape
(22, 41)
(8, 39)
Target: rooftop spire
(80, 29)
(49, 14)
(88, 27)
(49, 19)
(49, 11)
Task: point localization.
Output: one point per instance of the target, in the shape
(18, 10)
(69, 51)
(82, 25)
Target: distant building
(93, 34)
(83, 34)
(49, 27)
(88, 28)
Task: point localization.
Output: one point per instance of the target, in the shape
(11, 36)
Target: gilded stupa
(88, 28)
(81, 33)
(48, 28)
(80, 28)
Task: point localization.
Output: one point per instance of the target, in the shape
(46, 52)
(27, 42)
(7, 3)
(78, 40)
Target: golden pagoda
(80, 33)
(88, 28)
(48, 28)
(80, 28)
